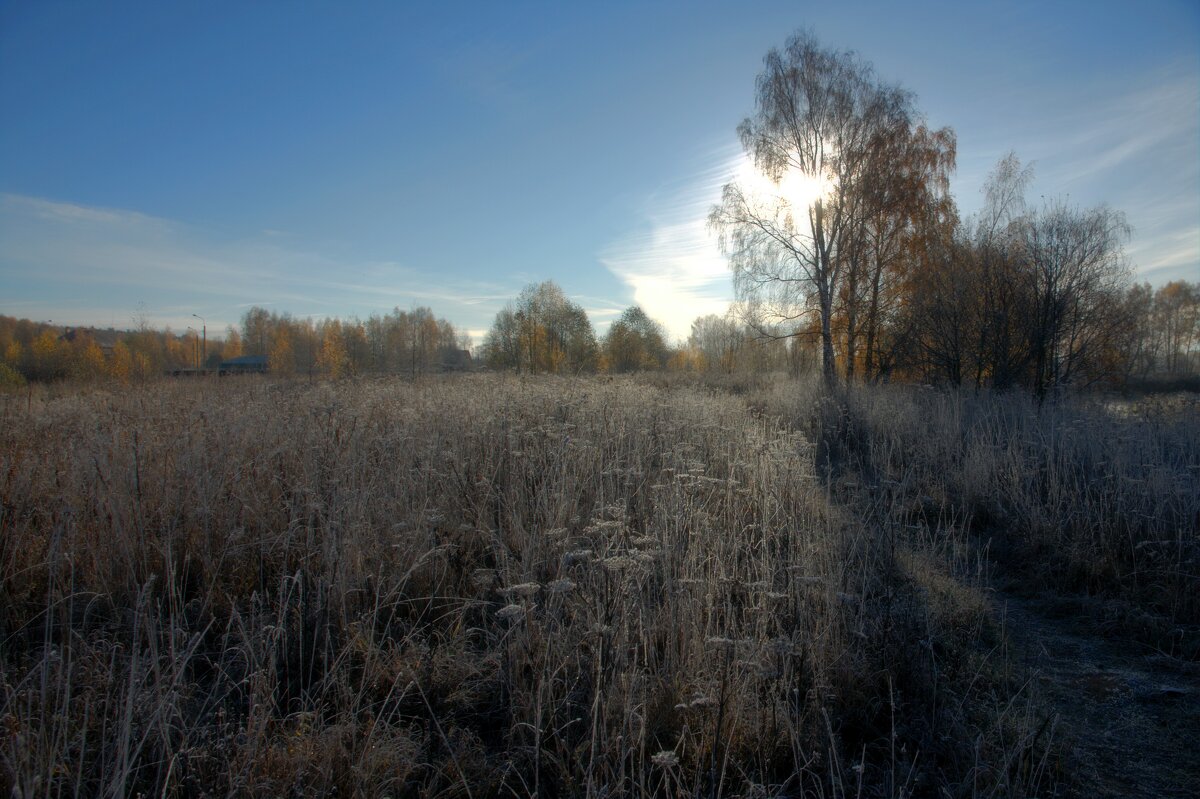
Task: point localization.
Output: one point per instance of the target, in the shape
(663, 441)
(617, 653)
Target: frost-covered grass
(1082, 496)
(474, 586)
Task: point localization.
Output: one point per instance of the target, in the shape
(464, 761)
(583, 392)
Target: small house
(244, 365)
(456, 360)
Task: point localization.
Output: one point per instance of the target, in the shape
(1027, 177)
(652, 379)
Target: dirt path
(1129, 717)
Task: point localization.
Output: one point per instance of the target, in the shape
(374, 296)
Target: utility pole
(192, 344)
(204, 333)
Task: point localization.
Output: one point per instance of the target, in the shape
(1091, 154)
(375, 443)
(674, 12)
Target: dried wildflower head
(560, 587)
(511, 613)
(577, 556)
(602, 527)
(613, 511)
(521, 589)
(643, 556)
(665, 759)
(618, 563)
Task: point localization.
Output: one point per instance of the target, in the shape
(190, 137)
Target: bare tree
(819, 120)
(966, 294)
(1001, 346)
(1175, 314)
(942, 305)
(1076, 265)
(1024, 297)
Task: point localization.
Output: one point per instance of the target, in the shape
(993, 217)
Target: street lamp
(204, 333)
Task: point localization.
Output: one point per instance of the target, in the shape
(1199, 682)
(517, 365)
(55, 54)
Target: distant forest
(1144, 335)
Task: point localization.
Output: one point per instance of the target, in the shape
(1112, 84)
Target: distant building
(245, 365)
(456, 360)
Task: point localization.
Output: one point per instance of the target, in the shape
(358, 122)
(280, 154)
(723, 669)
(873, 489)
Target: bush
(10, 378)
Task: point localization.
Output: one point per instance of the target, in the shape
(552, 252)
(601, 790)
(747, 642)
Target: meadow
(485, 585)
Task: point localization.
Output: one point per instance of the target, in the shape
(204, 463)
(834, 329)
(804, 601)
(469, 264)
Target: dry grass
(476, 587)
(1094, 497)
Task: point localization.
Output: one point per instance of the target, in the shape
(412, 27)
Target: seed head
(511, 613)
(665, 759)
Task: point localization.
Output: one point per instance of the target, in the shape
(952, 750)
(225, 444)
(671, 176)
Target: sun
(796, 191)
(802, 190)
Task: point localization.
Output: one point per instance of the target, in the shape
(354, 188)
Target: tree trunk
(828, 361)
(825, 297)
(869, 369)
(851, 320)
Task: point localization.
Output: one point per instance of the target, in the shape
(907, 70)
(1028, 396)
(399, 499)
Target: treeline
(410, 342)
(1164, 337)
(407, 342)
(941, 333)
(544, 331)
(968, 314)
(1039, 298)
(40, 351)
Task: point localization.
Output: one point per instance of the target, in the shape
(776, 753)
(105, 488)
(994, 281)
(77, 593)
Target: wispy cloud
(672, 265)
(1140, 151)
(1172, 256)
(1156, 121)
(86, 265)
(1133, 144)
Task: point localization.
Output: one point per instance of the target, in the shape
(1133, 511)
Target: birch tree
(819, 124)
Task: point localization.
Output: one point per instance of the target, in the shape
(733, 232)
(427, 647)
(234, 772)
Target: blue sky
(343, 159)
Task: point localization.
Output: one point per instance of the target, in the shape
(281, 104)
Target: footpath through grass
(1085, 517)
